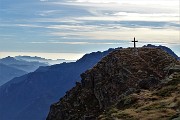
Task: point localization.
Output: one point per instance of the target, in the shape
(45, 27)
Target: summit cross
(135, 50)
(134, 42)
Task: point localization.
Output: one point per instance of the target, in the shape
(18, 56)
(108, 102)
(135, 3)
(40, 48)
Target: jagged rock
(109, 80)
(172, 69)
(149, 83)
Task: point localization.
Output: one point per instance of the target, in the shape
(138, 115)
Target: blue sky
(70, 28)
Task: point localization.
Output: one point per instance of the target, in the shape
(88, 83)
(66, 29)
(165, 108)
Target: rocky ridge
(119, 74)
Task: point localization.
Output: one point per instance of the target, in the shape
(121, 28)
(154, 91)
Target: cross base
(135, 51)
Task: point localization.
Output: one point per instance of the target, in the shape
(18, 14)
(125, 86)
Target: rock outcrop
(161, 103)
(119, 74)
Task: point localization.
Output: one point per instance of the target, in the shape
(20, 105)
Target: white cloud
(70, 43)
(76, 43)
(43, 0)
(138, 6)
(147, 15)
(99, 1)
(148, 20)
(127, 18)
(153, 35)
(162, 2)
(28, 25)
(48, 12)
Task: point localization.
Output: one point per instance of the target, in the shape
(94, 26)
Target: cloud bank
(73, 23)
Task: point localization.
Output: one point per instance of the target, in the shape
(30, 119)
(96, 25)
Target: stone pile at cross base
(117, 75)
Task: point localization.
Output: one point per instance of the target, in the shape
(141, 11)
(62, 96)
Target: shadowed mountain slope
(117, 75)
(7, 73)
(29, 97)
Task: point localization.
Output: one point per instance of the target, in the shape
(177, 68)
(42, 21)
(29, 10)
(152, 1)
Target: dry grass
(161, 104)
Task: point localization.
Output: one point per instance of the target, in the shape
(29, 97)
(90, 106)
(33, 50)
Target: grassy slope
(160, 104)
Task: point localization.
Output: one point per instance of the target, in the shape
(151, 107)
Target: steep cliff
(119, 74)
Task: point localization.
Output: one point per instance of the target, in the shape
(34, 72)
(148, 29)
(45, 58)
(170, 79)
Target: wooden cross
(134, 42)
(135, 50)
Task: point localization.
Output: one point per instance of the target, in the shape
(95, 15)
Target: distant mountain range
(42, 60)
(11, 68)
(28, 97)
(7, 73)
(28, 66)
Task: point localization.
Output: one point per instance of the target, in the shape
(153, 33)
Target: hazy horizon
(55, 56)
(67, 29)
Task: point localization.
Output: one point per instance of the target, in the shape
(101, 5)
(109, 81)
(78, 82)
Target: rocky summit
(121, 86)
